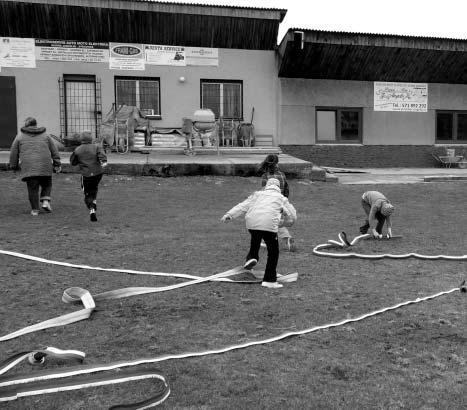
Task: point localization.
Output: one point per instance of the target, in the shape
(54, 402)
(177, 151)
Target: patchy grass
(412, 358)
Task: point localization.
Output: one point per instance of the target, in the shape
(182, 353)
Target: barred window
(140, 92)
(223, 97)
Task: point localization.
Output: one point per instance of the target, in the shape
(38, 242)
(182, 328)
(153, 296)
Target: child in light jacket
(91, 160)
(378, 210)
(264, 212)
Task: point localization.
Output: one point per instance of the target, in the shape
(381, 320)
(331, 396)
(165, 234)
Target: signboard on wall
(17, 52)
(124, 56)
(165, 55)
(67, 50)
(202, 56)
(407, 97)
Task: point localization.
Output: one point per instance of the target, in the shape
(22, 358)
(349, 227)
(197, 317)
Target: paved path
(400, 175)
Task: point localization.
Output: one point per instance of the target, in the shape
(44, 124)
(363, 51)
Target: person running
(264, 211)
(378, 210)
(269, 168)
(36, 155)
(91, 160)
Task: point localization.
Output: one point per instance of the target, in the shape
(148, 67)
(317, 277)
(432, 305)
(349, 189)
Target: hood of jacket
(33, 130)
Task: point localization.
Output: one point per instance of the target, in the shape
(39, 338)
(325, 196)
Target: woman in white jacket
(264, 212)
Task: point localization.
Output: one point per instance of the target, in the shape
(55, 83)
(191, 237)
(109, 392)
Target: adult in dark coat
(35, 154)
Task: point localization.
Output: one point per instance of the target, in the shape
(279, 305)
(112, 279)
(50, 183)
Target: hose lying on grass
(48, 382)
(344, 243)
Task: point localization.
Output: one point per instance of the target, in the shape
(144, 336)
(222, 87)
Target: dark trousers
(33, 184)
(90, 186)
(272, 245)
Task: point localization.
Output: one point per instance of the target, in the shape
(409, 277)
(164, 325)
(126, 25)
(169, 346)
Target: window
(451, 126)
(339, 125)
(223, 97)
(139, 92)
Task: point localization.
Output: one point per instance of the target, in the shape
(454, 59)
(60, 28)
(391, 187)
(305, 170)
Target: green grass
(412, 358)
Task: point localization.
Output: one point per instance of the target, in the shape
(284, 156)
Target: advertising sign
(17, 52)
(202, 56)
(67, 50)
(408, 97)
(165, 55)
(125, 56)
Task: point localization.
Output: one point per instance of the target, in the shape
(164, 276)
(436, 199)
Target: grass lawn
(411, 358)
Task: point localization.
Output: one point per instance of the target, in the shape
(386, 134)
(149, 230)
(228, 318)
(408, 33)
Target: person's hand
(58, 169)
(389, 235)
(104, 164)
(226, 218)
(376, 235)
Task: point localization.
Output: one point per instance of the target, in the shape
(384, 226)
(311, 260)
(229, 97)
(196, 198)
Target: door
(8, 120)
(81, 94)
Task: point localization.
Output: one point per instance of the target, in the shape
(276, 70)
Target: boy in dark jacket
(91, 160)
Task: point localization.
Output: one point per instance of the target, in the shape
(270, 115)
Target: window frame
(140, 78)
(454, 139)
(222, 81)
(339, 139)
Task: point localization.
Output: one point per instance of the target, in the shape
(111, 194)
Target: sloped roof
(142, 21)
(373, 57)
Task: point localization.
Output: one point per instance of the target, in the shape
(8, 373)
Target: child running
(263, 211)
(91, 160)
(269, 168)
(378, 210)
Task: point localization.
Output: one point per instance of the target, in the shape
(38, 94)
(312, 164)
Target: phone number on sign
(409, 105)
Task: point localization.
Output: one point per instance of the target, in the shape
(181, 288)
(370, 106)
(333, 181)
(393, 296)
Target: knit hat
(86, 136)
(30, 122)
(387, 209)
(273, 182)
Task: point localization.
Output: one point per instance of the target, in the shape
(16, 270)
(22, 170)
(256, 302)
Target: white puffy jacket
(263, 210)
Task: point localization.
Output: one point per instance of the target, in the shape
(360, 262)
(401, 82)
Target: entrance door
(8, 120)
(82, 104)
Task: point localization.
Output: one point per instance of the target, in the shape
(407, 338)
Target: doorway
(8, 119)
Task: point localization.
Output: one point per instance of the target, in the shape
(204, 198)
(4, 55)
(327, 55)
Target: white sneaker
(34, 212)
(272, 285)
(46, 206)
(250, 263)
(263, 244)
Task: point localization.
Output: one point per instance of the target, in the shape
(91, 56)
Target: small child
(263, 211)
(378, 210)
(269, 168)
(91, 160)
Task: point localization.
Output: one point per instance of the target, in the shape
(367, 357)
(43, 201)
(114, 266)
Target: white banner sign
(409, 97)
(17, 52)
(126, 56)
(67, 50)
(202, 56)
(165, 55)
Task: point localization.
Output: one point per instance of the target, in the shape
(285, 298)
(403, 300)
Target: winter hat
(86, 136)
(387, 209)
(30, 122)
(273, 182)
(271, 159)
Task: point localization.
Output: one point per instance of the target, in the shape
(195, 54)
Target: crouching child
(378, 210)
(91, 160)
(264, 212)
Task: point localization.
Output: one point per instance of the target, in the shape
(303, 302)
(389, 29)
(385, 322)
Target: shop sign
(126, 56)
(407, 97)
(17, 52)
(164, 55)
(202, 56)
(67, 50)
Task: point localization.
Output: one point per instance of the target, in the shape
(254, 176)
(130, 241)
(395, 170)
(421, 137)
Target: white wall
(37, 88)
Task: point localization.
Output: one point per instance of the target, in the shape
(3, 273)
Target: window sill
(447, 143)
(339, 143)
(153, 117)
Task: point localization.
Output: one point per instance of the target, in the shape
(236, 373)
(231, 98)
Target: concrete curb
(444, 178)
